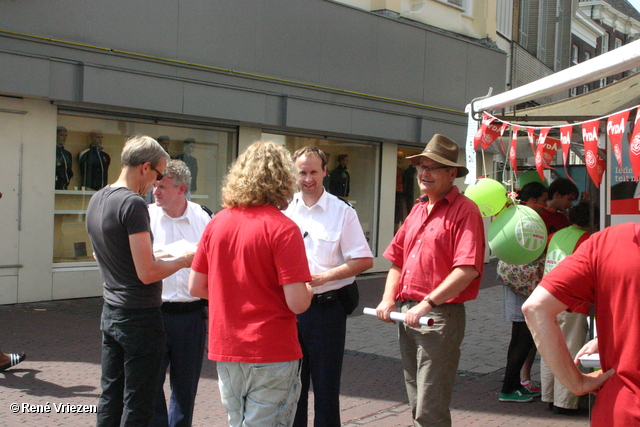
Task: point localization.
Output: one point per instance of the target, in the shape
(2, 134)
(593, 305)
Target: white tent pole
(613, 62)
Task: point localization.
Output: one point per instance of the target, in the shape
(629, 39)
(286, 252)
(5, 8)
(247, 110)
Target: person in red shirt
(562, 193)
(252, 267)
(603, 271)
(437, 257)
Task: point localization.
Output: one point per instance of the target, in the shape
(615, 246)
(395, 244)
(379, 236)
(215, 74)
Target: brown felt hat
(443, 150)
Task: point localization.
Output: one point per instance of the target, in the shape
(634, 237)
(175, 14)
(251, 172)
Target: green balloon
(518, 235)
(530, 176)
(489, 195)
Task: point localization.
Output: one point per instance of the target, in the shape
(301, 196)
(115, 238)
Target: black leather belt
(325, 297)
(183, 307)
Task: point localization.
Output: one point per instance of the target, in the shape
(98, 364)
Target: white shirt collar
(321, 203)
(184, 215)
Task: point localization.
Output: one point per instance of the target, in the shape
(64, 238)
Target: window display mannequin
(340, 179)
(63, 160)
(188, 146)
(94, 163)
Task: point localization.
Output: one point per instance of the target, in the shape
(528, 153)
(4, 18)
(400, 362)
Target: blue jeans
(186, 334)
(259, 394)
(132, 344)
(321, 331)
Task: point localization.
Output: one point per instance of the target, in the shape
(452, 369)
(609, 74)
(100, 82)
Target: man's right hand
(591, 383)
(384, 309)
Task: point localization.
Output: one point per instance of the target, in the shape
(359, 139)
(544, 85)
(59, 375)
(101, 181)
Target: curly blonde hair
(263, 175)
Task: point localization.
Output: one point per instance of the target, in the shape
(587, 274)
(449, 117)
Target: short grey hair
(179, 172)
(140, 149)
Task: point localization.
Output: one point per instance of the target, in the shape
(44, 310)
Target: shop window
(362, 167)
(407, 189)
(88, 158)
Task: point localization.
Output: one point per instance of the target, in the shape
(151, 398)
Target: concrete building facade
(224, 74)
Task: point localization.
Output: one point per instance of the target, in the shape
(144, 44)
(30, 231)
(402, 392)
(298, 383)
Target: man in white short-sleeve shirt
(337, 251)
(174, 218)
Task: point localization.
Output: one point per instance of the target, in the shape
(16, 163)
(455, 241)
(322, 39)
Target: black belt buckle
(326, 297)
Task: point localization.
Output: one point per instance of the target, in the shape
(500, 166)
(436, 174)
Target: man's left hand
(416, 312)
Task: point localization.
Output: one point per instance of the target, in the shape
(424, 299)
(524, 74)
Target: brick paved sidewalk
(62, 341)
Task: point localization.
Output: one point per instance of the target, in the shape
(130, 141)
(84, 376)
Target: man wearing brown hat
(437, 257)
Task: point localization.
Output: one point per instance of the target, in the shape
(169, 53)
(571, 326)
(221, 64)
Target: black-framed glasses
(431, 169)
(159, 175)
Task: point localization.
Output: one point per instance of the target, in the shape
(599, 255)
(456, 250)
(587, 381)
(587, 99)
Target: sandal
(14, 359)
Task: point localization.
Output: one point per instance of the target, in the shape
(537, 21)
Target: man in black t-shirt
(133, 335)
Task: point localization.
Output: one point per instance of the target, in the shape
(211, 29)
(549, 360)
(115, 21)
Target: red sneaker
(532, 386)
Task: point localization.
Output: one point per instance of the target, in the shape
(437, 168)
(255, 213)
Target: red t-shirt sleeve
(200, 262)
(290, 256)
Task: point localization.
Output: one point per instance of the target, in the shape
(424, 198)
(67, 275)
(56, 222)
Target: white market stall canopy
(588, 110)
(611, 108)
(613, 62)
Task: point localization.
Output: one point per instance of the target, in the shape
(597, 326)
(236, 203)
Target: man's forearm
(540, 312)
(456, 282)
(387, 305)
(353, 267)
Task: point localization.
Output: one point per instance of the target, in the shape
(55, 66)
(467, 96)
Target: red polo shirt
(428, 246)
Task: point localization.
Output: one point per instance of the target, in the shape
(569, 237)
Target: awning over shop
(617, 96)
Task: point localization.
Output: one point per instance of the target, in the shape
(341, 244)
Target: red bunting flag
(545, 148)
(513, 148)
(616, 126)
(549, 150)
(539, 152)
(532, 139)
(595, 163)
(634, 146)
(487, 133)
(565, 140)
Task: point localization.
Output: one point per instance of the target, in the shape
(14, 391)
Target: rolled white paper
(399, 317)
(590, 360)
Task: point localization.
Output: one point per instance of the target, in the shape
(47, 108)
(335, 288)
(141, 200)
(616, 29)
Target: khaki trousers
(574, 328)
(430, 356)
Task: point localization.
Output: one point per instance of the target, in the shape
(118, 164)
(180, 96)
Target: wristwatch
(430, 301)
